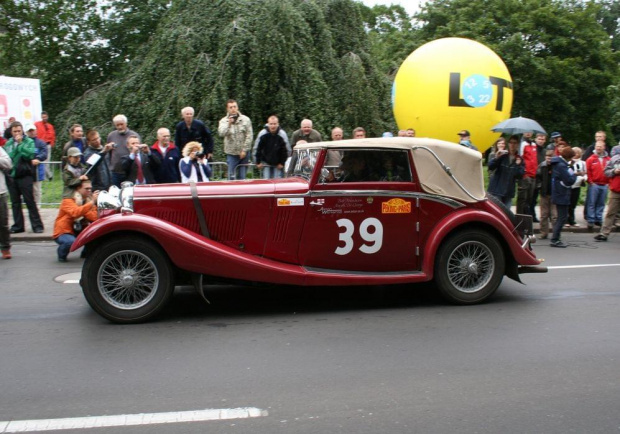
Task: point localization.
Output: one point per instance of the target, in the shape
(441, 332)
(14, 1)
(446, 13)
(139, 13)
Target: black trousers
(18, 188)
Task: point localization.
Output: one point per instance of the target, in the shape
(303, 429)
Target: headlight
(116, 199)
(127, 196)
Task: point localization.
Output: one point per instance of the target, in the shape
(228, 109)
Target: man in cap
(465, 139)
(556, 138)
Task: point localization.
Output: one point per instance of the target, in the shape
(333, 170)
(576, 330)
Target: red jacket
(529, 153)
(596, 169)
(46, 132)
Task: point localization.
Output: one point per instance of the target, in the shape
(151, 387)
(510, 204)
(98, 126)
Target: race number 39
(371, 231)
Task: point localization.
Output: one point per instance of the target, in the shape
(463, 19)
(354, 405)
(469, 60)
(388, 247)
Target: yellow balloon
(449, 85)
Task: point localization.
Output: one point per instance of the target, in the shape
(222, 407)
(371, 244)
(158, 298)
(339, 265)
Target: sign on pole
(19, 98)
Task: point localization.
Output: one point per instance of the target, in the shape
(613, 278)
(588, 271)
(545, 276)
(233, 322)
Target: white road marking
(560, 267)
(130, 419)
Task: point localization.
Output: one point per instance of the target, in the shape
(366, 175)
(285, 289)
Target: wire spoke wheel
(469, 267)
(128, 279)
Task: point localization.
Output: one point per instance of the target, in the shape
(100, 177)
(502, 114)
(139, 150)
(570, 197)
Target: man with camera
(140, 164)
(236, 129)
(74, 214)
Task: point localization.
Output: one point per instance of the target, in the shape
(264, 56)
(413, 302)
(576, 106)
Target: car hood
(224, 188)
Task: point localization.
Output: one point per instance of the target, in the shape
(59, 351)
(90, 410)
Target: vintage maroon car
(357, 212)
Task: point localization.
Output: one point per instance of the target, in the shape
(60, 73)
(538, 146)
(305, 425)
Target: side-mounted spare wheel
(127, 280)
(469, 267)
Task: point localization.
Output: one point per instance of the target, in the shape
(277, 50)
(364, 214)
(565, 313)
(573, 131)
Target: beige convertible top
(444, 168)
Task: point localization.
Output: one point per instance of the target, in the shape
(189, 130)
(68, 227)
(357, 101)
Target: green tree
(281, 57)
(559, 55)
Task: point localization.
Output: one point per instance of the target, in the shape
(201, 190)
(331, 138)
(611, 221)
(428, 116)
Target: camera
(234, 117)
(114, 145)
(200, 155)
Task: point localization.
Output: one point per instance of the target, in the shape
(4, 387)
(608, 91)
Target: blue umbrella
(518, 125)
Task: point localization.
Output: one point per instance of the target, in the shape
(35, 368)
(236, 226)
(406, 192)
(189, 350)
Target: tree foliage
(330, 60)
(559, 55)
(290, 57)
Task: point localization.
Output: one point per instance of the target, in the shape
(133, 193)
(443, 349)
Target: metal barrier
(219, 170)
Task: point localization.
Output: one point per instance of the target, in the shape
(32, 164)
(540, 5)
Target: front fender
(465, 218)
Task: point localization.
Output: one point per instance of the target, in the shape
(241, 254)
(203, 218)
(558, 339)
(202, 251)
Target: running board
(363, 273)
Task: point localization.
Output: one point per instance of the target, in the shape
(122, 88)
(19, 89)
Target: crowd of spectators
(536, 172)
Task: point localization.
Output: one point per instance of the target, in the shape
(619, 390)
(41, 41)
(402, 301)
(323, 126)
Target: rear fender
(464, 219)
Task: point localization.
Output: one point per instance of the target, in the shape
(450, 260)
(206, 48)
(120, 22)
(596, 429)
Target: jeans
(595, 203)
(233, 161)
(270, 172)
(64, 241)
(560, 222)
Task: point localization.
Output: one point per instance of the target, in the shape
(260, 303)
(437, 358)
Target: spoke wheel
(128, 280)
(469, 267)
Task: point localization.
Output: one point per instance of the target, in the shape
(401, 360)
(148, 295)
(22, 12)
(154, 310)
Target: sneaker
(600, 237)
(62, 259)
(38, 231)
(543, 237)
(535, 220)
(590, 227)
(558, 243)
(6, 254)
(575, 225)
(598, 224)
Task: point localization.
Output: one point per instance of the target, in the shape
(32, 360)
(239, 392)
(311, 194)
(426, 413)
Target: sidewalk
(48, 215)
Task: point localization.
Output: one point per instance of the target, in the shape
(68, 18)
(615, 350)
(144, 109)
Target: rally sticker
(291, 201)
(396, 206)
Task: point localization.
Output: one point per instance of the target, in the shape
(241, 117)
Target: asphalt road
(539, 358)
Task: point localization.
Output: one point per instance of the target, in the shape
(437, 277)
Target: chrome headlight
(107, 200)
(127, 196)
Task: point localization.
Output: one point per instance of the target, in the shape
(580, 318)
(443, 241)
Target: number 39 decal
(374, 238)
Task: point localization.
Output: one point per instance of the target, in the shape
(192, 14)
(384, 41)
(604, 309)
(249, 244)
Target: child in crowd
(73, 173)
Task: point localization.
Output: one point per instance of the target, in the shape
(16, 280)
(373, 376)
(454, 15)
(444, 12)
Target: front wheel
(128, 280)
(469, 267)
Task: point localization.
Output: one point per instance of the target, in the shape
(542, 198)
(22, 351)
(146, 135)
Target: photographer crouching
(75, 213)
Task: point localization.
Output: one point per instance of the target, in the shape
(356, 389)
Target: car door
(361, 221)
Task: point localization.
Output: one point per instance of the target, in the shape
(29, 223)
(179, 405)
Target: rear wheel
(128, 280)
(469, 267)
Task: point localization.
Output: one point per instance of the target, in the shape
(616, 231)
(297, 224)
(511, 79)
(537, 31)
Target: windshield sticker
(291, 201)
(396, 206)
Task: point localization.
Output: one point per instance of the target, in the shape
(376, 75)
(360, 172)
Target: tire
(469, 267)
(128, 280)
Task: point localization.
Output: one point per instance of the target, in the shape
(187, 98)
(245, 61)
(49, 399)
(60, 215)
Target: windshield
(302, 163)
